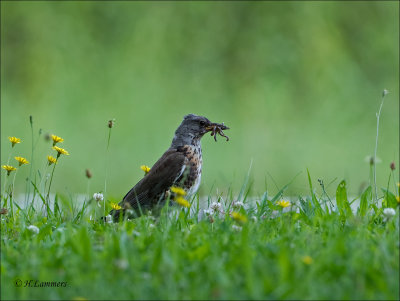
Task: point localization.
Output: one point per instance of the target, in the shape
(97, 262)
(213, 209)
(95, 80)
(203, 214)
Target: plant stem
(4, 193)
(51, 180)
(12, 195)
(394, 183)
(106, 171)
(28, 186)
(376, 144)
(87, 189)
(108, 146)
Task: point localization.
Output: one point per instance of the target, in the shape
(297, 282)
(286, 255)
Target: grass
(241, 247)
(270, 254)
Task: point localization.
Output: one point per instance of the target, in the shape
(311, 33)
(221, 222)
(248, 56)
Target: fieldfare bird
(179, 166)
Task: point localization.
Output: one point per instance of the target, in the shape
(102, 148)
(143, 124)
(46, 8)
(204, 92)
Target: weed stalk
(378, 115)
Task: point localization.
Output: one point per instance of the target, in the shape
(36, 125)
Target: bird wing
(161, 176)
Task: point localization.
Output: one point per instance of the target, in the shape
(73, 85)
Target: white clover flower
(98, 197)
(109, 219)
(236, 228)
(216, 206)
(33, 229)
(237, 204)
(388, 213)
(152, 226)
(208, 211)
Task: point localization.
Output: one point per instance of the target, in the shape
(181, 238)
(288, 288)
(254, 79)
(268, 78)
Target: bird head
(193, 127)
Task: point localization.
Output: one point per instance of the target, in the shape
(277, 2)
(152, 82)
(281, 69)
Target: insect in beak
(217, 128)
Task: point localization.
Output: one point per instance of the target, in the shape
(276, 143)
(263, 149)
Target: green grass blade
(366, 198)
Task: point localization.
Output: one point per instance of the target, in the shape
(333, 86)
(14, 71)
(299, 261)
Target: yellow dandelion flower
(21, 160)
(398, 199)
(9, 168)
(181, 201)
(239, 217)
(51, 160)
(145, 168)
(14, 140)
(177, 190)
(307, 260)
(60, 151)
(56, 139)
(283, 203)
(115, 206)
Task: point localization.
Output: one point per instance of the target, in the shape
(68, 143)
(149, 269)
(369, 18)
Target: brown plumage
(179, 166)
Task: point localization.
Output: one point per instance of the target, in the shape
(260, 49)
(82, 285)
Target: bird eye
(202, 123)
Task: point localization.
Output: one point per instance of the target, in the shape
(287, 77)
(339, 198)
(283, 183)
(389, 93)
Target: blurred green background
(299, 84)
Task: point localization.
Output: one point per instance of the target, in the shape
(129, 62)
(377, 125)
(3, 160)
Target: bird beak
(222, 126)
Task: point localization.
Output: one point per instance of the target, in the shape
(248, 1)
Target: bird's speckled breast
(192, 176)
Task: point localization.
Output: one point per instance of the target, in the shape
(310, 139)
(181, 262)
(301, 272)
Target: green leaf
(313, 197)
(45, 231)
(390, 199)
(366, 198)
(341, 199)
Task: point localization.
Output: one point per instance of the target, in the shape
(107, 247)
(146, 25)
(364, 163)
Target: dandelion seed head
(370, 160)
(385, 92)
